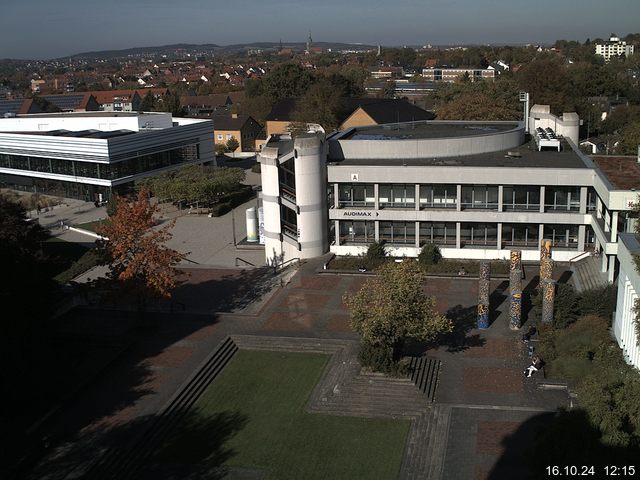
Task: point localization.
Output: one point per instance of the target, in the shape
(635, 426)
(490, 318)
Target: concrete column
(336, 229)
(459, 200)
(417, 197)
(499, 236)
(540, 235)
(377, 228)
(336, 196)
(612, 267)
(582, 234)
(458, 234)
(376, 200)
(614, 226)
(598, 207)
(417, 234)
(541, 200)
(603, 264)
(583, 200)
(607, 221)
(500, 197)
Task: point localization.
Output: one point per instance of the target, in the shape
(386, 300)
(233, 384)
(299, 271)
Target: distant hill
(211, 48)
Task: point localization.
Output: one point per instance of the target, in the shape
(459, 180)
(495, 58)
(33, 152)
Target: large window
(520, 235)
(478, 234)
(438, 233)
(521, 198)
(397, 195)
(398, 232)
(562, 199)
(287, 178)
(357, 232)
(289, 222)
(438, 196)
(483, 197)
(355, 195)
(562, 236)
(591, 199)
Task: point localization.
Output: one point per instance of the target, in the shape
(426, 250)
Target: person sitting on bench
(536, 364)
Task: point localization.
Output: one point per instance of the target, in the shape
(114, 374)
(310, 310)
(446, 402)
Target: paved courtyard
(486, 411)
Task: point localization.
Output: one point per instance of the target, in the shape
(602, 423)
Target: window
(289, 222)
(397, 195)
(220, 136)
(438, 233)
(398, 232)
(521, 198)
(479, 234)
(355, 195)
(559, 199)
(481, 197)
(562, 236)
(438, 196)
(520, 235)
(229, 136)
(357, 232)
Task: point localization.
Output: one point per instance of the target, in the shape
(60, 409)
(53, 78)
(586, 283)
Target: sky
(43, 29)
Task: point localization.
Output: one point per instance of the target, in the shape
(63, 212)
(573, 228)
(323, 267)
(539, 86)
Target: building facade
(451, 75)
(614, 48)
(476, 189)
(91, 155)
(624, 323)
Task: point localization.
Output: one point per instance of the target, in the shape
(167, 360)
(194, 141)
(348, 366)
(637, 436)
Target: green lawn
(252, 416)
(91, 226)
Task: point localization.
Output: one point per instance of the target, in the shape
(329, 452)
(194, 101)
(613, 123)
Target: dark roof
(390, 111)
(530, 158)
(229, 123)
(622, 172)
(215, 100)
(10, 106)
(71, 101)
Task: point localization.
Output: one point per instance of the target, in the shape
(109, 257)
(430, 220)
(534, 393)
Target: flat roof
(530, 157)
(78, 134)
(428, 129)
(622, 172)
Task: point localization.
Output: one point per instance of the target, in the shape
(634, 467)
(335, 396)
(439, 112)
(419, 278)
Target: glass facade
(287, 179)
(521, 198)
(106, 171)
(357, 232)
(60, 188)
(438, 233)
(562, 199)
(562, 236)
(482, 197)
(289, 222)
(439, 196)
(397, 195)
(398, 232)
(356, 195)
(520, 235)
(479, 234)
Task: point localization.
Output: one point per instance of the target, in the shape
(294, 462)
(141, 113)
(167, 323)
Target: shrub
(429, 254)
(600, 301)
(566, 307)
(380, 359)
(376, 251)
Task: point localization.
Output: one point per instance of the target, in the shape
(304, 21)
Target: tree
(286, 80)
(322, 103)
(135, 253)
(392, 307)
(232, 144)
(149, 103)
(389, 89)
(429, 254)
(171, 103)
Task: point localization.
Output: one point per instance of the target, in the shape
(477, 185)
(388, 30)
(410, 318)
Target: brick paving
(483, 409)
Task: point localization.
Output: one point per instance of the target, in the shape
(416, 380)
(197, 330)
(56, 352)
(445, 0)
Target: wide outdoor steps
(121, 463)
(588, 275)
(424, 373)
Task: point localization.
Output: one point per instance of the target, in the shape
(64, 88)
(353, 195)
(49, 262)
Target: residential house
(241, 127)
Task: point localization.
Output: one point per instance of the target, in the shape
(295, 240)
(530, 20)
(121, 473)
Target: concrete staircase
(426, 445)
(587, 274)
(424, 372)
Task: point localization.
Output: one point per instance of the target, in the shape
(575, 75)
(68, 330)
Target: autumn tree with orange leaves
(135, 252)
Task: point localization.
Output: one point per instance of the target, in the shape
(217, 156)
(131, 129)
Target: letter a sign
(354, 177)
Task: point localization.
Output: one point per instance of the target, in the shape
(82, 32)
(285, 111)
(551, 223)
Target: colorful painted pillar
(548, 300)
(483, 295)
(547, 285)
(515, 289)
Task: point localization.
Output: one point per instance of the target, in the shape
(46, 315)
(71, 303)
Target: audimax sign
(361, 213)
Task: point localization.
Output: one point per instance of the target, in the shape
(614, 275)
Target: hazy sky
(55, 28)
